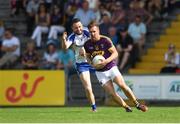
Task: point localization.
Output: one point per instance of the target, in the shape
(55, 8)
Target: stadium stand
(155, 28)
(153, 61)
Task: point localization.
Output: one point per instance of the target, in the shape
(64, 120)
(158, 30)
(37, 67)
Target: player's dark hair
(75, 20)
(92, 24)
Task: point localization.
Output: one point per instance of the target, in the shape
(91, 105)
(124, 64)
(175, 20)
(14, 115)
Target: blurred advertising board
(32, 88)
(153, 87)
(171, 87)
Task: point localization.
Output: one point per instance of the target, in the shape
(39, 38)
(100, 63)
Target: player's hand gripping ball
(97, 60)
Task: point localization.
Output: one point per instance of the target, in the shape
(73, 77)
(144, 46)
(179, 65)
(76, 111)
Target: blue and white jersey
(78, 42)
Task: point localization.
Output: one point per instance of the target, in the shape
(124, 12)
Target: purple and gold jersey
(100, 47)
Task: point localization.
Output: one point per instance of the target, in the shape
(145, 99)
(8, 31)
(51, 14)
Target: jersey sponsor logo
(98, 53)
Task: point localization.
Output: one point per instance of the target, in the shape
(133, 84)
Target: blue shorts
(82, 67)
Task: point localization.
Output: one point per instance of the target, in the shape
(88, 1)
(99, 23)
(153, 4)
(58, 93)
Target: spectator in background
(97, 13)
(75, 2)
(31, 10)
(138, 9)
(85, 14)
(126, 3)
(60, 3)
(155, 7)
(109, 5)
(13, 7)
(105, 25)
(50, 58)
(172, 60)
(57, 22)
(11, 47)
(42, 23)
(20, 5)
(66, 61)
(1, 30)
(93, 4)
(70, 12)
(137, 30)
(30, 57)
(118, 16)
(1, 35)
(112, 33)
(42, 2)
(16, 6)
(168, 6)
(124, 48)
(103, 11)
(48, 4)
(134, 3)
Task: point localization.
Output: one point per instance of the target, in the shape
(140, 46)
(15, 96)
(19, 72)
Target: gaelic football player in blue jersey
(77, 40)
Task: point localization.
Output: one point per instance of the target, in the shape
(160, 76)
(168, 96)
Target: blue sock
(93, 107)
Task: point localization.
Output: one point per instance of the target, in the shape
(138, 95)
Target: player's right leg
(85, 78)
(109, 88)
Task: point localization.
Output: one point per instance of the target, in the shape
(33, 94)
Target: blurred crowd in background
(126, 22)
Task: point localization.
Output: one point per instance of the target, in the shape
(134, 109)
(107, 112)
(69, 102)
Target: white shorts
(105, 76)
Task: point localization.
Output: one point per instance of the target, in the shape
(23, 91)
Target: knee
(114, 94)
(88, 89)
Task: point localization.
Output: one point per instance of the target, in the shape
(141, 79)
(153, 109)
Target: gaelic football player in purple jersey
(107, 71)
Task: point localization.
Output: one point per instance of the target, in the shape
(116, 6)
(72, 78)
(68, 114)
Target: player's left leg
(108, 87)
(118, 79)
(128, 92)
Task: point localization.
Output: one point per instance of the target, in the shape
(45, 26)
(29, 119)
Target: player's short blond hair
(92, 24)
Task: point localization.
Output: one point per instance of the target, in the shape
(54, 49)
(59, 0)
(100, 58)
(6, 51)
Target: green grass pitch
(84, 115)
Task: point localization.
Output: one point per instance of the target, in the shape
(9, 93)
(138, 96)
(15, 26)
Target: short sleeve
(108, 43)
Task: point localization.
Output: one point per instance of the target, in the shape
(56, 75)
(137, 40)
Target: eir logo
(11, 94)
